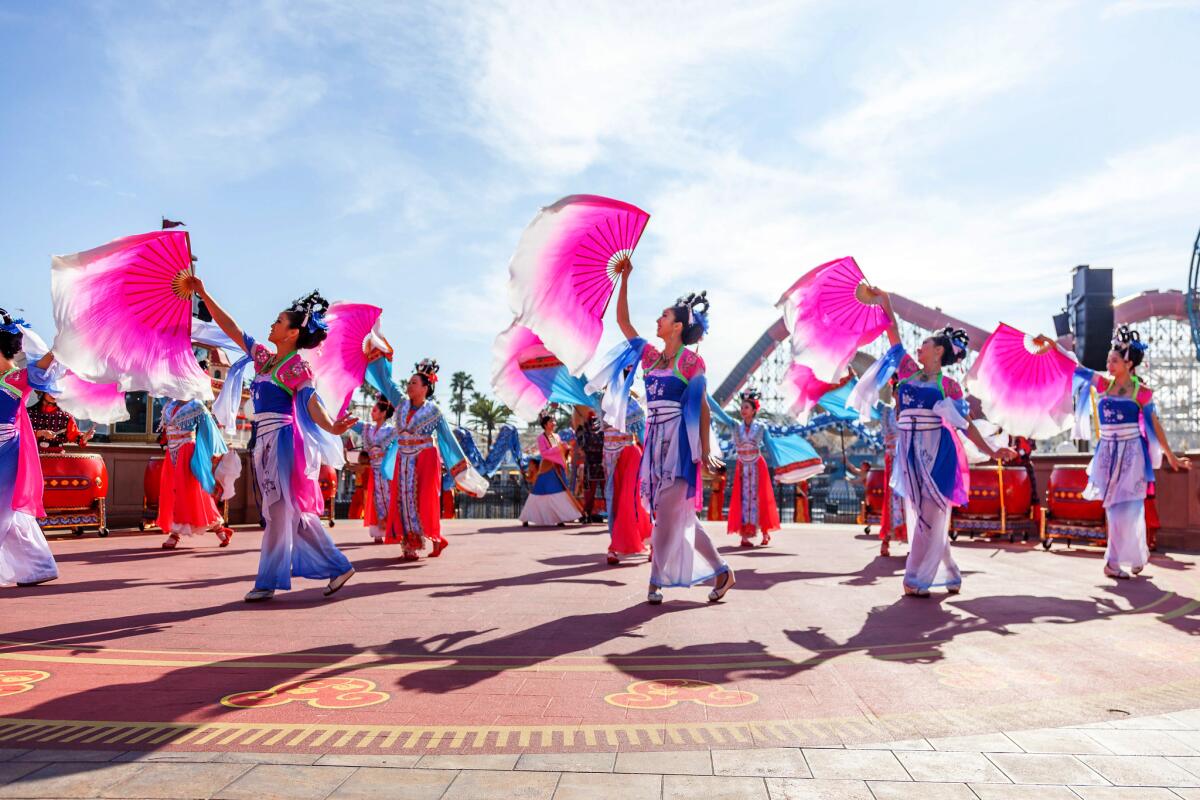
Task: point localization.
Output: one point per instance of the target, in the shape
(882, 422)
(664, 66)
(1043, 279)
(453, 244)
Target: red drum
(74, 486)
(328, 479)
(984, 498)
(875, 491)
(1065, 496)
(151, 484)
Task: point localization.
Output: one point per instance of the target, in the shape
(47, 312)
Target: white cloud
(1125, 8)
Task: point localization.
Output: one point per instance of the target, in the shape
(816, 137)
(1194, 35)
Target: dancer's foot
(561, 525)
(409, 556)
(746, 542)
(171, 541)
(339, 581)
(613, 560)
(225, 535)
(654, 596)
(725, 582)
(438, 546)
(377, 540)
(911, 592)
(1116, 572)
(36, 583)
(953, 589)
(885, 549)
(259, 595)
(1138, 570)
(524, 524)
(766, 540)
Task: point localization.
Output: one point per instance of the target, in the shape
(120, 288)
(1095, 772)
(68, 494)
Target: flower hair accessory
(313, 307)
(1128, 339)
(753, 397)
(697, 308)
(959, 340)
(10, 324)
(427, 367)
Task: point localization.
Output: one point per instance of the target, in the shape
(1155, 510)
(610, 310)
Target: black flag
(170, 223)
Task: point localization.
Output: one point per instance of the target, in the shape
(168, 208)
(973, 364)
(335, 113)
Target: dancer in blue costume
(294, 434)
(1132, 444)
(929, 470)
(25, 558)
(677, 439)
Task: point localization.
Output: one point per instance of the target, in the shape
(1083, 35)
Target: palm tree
(488, 414)
(460, 384)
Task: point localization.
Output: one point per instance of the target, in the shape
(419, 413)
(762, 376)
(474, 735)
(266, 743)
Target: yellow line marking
(1182, 611)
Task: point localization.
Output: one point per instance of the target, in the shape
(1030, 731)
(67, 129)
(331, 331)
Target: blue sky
(967, 154)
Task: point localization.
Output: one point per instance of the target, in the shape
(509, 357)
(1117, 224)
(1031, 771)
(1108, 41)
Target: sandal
(885, 549)
(438, 546)
(339, 581)
(720, 590)
(766, 540)
(1118, 573)
(259, 595)
(654, 596)
(171, 541)
(225, 535)
(746, 543)
(613, 560)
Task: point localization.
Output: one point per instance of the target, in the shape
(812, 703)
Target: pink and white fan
(339, 363)
(102, 403)
(563, 272)
(1021, 387)
(830, 313)
(124, 315)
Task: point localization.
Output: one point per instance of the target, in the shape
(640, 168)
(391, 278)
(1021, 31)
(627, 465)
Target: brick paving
(519, 665)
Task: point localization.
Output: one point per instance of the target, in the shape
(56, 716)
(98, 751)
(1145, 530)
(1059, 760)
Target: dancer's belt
(614, 439)
(8, 432)
(270, 421)
(918, 420)
(1120, 432)
(659, 411)
(413, 444)
(748, 454)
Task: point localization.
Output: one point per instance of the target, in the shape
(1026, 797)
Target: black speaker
(1062, 324)
(1090, 307)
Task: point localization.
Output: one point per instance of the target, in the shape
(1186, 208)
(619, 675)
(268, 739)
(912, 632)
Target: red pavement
(524, 639)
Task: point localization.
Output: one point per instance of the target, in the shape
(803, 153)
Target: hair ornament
(1127, 338)
(697, 308)
(427, 367)
(546, 414)
(313, 307)
(959, 340)
(9, 323)
(753, 397)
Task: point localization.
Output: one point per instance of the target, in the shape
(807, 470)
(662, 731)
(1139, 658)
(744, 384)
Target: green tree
(488, 414)
(460, 384)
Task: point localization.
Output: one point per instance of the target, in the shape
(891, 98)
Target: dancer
(677, 439)
(589, 449)
(891, 523)
(293, 435)
(378, 438)
(186, 483)
(25, 557)
(629, 523)
(1132, 444)
(550, 501)
(929, 471)
(423, 441)
(752, 508)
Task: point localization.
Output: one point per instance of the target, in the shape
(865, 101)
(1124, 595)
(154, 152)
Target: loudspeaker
(1062, 324)
(1090, 307)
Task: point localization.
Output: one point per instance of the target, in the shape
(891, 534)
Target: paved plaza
(520, 665)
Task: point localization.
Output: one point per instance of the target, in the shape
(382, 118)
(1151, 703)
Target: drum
(74, 486)
(151, 483)
(874, 495)
(328, 478)
(1065, 496)
(984, 497)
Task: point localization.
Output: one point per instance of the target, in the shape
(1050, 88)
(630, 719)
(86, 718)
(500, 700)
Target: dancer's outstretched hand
(344, 424)
(713, 463)
(194, 284)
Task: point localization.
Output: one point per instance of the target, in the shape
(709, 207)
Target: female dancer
(752, 506)
(677, 439)
(629, 523)
(25, 558)
(186, 483)
(423, 441)
(929, 470)
(1132, 443)
(378, 437)
(550, 502)
(294, 434)
(891, 525)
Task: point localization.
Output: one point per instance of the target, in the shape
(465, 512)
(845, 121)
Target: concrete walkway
(1137, 758)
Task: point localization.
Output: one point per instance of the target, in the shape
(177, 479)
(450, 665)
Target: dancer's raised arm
(623, 269)
(220, 316)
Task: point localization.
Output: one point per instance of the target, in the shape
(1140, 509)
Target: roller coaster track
(1193, 311)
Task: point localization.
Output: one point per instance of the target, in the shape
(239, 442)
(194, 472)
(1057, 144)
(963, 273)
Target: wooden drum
(328, 478)
(74, 486)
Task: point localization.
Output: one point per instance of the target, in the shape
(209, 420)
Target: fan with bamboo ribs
(124, 315)
(339, 363)
(1022, 386)
(830, 313)
(564, 270)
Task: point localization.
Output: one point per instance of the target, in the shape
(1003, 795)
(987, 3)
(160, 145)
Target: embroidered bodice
(748, 440)
(915, 395)
(179, 421)
(669, 383)
(275, 384)
(415, 424)
(1114, 410)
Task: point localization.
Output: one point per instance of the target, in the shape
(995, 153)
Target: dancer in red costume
(629, 523)
(752, 508)
(185, 500)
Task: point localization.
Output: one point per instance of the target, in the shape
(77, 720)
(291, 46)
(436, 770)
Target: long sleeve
(866, 392)
(465, 476)
(379, 375)
(615, 378)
